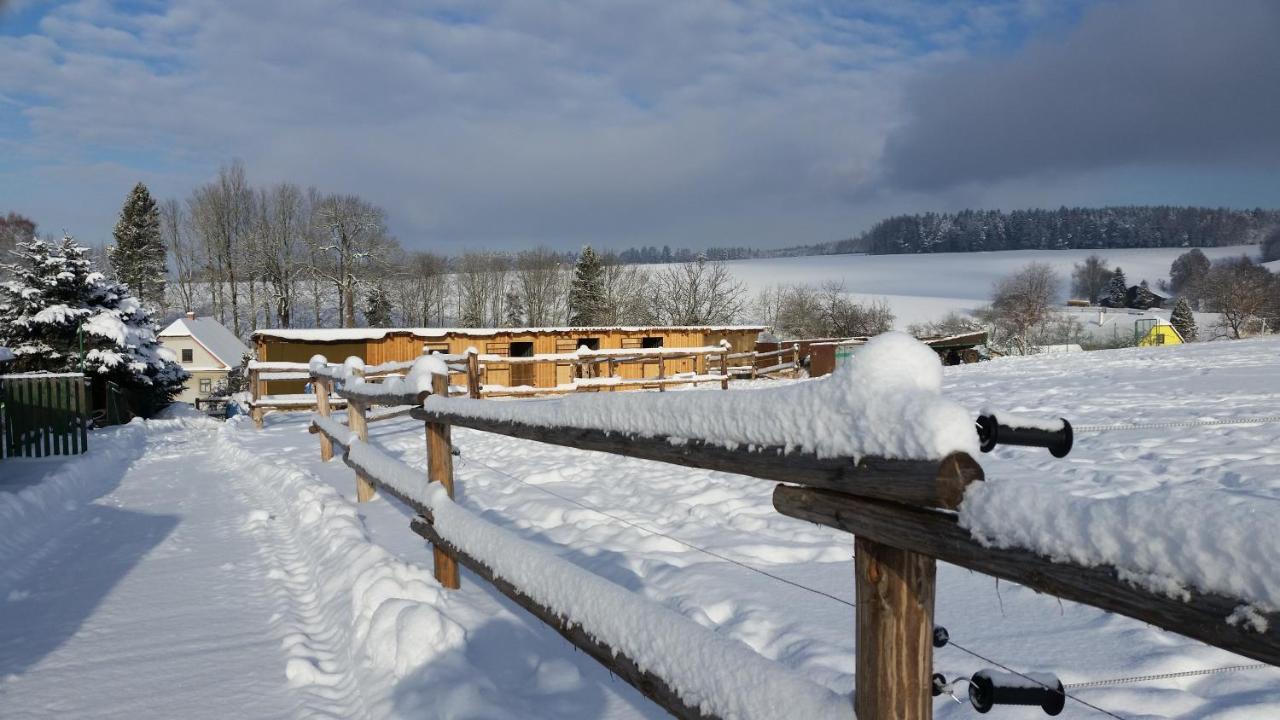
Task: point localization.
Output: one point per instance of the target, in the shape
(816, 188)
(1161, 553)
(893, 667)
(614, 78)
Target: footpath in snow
(134, 584)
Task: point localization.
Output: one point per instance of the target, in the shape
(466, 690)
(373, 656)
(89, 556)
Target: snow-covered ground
(927, 286)
(195, 570)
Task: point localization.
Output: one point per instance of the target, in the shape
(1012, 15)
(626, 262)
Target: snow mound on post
(886, 403)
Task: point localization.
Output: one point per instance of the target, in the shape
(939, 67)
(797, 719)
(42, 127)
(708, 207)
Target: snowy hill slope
(927, 286)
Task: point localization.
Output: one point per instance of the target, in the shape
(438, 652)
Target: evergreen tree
(377, 311)
(59, 315)
(1183, 320)
(587, 293)
(514, 315)
(138, 257)
(1117, 290)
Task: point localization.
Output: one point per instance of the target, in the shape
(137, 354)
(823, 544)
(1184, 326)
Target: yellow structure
(1157, 332)
(381, 345)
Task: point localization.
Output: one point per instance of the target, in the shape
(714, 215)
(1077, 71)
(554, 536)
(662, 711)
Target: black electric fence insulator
(940, 636)
(939, 684)
(991, 432)
(988, 688)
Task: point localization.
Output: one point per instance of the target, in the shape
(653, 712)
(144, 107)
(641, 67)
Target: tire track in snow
(316, 635)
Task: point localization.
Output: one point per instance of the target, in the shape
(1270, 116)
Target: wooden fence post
(473, 373)
(321, 387)
(662, 373)
(795, 359)
(894, 664)
(255, 412)
(440, 469)
(724, 369)
(358, 424)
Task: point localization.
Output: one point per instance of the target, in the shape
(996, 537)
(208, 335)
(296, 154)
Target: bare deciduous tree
(220, 217)
(1020, 304)
(541, 279)
(1089, 279)
(1245, 294)
(701, 292)
(279, 233)
(422, 290)
(352, 244)
(175, 231)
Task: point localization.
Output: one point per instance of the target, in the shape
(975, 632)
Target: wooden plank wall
(402, 346)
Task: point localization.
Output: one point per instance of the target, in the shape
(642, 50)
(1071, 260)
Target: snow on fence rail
(892, 480)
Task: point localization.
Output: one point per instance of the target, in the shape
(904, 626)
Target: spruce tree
(138, 257)
(1183, 320)
(1117, 290)
(377, 311)
(514, 314)
(586, 294)
(59, 315)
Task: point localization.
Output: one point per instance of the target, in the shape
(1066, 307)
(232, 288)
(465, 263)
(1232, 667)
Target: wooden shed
(381, 345)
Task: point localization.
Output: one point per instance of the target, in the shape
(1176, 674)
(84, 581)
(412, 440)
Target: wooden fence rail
(900, 512)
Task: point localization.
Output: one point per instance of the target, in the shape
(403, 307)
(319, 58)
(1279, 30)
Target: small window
(188, 355)
(521, 349)
(206, 385)
(651, 342)
(589, 343)
(1159, 338)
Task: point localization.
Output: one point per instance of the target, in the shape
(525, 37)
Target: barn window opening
(589, 343)
(651, 342)
(187, 355)
(521, 349)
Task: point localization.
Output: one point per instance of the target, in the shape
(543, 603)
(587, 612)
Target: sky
(503, 124)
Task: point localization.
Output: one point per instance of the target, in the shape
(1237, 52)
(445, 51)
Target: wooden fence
(589, 371)
(43, 415)
(901, 513)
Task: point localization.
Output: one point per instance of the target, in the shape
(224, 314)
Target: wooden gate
(42, 415)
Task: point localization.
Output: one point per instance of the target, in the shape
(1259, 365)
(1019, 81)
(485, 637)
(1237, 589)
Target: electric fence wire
(651, 531)
(958, 646)
(1175, 424)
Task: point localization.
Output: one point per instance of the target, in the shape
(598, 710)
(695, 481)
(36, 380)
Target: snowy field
(927, 286)
(233, 570)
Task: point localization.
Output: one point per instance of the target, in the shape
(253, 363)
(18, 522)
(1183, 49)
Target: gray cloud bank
(1155, 82)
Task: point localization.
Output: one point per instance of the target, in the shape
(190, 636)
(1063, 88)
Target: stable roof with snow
(357, 334)
(212, 335)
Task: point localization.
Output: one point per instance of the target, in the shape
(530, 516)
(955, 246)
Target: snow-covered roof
(355, 334)
(217, 339)
(6, 354)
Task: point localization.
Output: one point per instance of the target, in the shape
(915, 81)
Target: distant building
(205, 349)
(1156, 331)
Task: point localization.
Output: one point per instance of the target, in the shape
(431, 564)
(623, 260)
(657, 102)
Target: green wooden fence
(42, 415)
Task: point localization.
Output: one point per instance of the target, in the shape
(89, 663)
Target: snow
(885, 403)
(740, 684)
(1179, 508)
(1022, 421)
(213, 335)
(232, 569)
(6, 354)
(354, 334)
(924, 287)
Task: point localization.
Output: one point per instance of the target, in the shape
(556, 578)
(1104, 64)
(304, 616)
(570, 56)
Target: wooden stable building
(381, 345)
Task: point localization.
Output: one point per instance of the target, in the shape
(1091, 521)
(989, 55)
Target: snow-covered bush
(58, 314)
